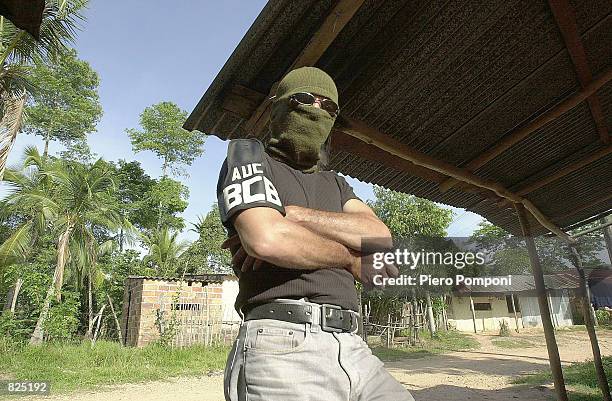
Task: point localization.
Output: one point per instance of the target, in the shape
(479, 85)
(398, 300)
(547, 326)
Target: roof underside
(449, 79)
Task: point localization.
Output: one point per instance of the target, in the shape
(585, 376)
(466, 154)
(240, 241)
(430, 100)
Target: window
(509, 303)
(482, 305)
(186, 306)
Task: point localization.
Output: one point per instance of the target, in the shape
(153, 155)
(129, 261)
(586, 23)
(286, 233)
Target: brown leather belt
(331, 318)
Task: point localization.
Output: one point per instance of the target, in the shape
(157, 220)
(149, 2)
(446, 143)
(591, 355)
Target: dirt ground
(480, 375)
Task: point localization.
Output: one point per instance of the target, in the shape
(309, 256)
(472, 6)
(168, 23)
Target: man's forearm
(297, 247)
(345, 228)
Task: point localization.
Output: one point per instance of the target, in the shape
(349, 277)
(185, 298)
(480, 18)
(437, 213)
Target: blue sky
(169, 51)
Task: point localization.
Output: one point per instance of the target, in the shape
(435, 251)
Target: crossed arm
(305, 238)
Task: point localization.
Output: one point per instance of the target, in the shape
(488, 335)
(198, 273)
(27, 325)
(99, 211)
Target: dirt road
(480, 375)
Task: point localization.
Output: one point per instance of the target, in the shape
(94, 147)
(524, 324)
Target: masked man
(296, 236)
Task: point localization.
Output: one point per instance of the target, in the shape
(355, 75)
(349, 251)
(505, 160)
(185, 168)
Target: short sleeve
(245, 181)
(346, 191)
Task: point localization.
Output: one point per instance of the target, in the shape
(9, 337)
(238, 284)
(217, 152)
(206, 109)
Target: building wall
(559, 305)
(148, 298)
(460, 314)
(130, 315)
(228, 297)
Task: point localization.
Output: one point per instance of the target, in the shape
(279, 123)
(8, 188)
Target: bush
(604, 317)
(12, 328)
(63, 321)
(504, 329)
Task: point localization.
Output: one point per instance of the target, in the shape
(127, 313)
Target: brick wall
(148, 297)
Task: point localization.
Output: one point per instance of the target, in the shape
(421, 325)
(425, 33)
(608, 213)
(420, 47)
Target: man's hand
(240, 259)
(363, 270)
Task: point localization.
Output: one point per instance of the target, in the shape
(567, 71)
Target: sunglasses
(309, 99)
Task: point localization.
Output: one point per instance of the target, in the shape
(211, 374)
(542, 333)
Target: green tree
(140, 197)
(409, 216)
(205, 255)
(76, 199)
(164, 251)
(418, 223)
(163, 134)
(66, 106)
(509, 253)
(19, 51)
(166, 199)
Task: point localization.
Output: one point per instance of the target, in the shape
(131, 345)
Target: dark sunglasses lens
(329, 106)
(304, 98)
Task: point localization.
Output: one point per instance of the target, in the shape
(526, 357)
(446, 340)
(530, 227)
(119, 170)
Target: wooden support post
(549, 331)
(553, 315)
(607, 231)
(473, 313)
(514, 310)
(430, 315)
(590, 325)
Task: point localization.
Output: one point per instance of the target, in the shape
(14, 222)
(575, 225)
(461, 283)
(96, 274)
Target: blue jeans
(273, 360)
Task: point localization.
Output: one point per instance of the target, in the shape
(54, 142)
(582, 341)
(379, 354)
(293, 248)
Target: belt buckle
(324, 326)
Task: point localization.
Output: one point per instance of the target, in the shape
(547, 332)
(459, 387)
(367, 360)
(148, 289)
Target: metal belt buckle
(324, 326)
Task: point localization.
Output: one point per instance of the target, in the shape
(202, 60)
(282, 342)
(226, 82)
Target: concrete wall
(460, 314)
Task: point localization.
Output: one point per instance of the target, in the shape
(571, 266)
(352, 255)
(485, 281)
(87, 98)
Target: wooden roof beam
(392, 146)
(566, 21)
(318, 44)
(510, 140)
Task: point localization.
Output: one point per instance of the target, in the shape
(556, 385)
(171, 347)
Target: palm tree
(164, 250)
(30, 199)
(18, 51)
(76, 199)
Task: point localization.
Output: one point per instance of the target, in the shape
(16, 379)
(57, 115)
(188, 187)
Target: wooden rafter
(392, 146)
(566, 21)
(318, 44)
(523, 132)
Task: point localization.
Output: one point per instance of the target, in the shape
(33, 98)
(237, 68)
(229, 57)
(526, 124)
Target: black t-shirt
(250, 178)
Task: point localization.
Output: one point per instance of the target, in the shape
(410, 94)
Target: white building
(478, 308)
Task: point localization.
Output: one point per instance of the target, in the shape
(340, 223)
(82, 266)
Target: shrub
(604, 317)
(504, 329)
(63, 321)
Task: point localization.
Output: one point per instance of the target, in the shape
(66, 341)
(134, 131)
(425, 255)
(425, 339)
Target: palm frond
(16, 246)
(12, 119)
(59, 25)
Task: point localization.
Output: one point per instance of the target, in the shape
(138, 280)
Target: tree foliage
(66, 106)
(205, 255)
(165, 250)
(409, 216)
(163, 134)
(509, 254)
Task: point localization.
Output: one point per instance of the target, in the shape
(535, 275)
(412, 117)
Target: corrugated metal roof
(450, 79)
(208, 278)
(526, 283)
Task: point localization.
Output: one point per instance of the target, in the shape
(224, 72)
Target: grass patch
(512, 343)
(71, 367)
(443, 341)
(580, 378)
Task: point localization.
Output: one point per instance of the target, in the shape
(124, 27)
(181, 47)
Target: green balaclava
(298, 132)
